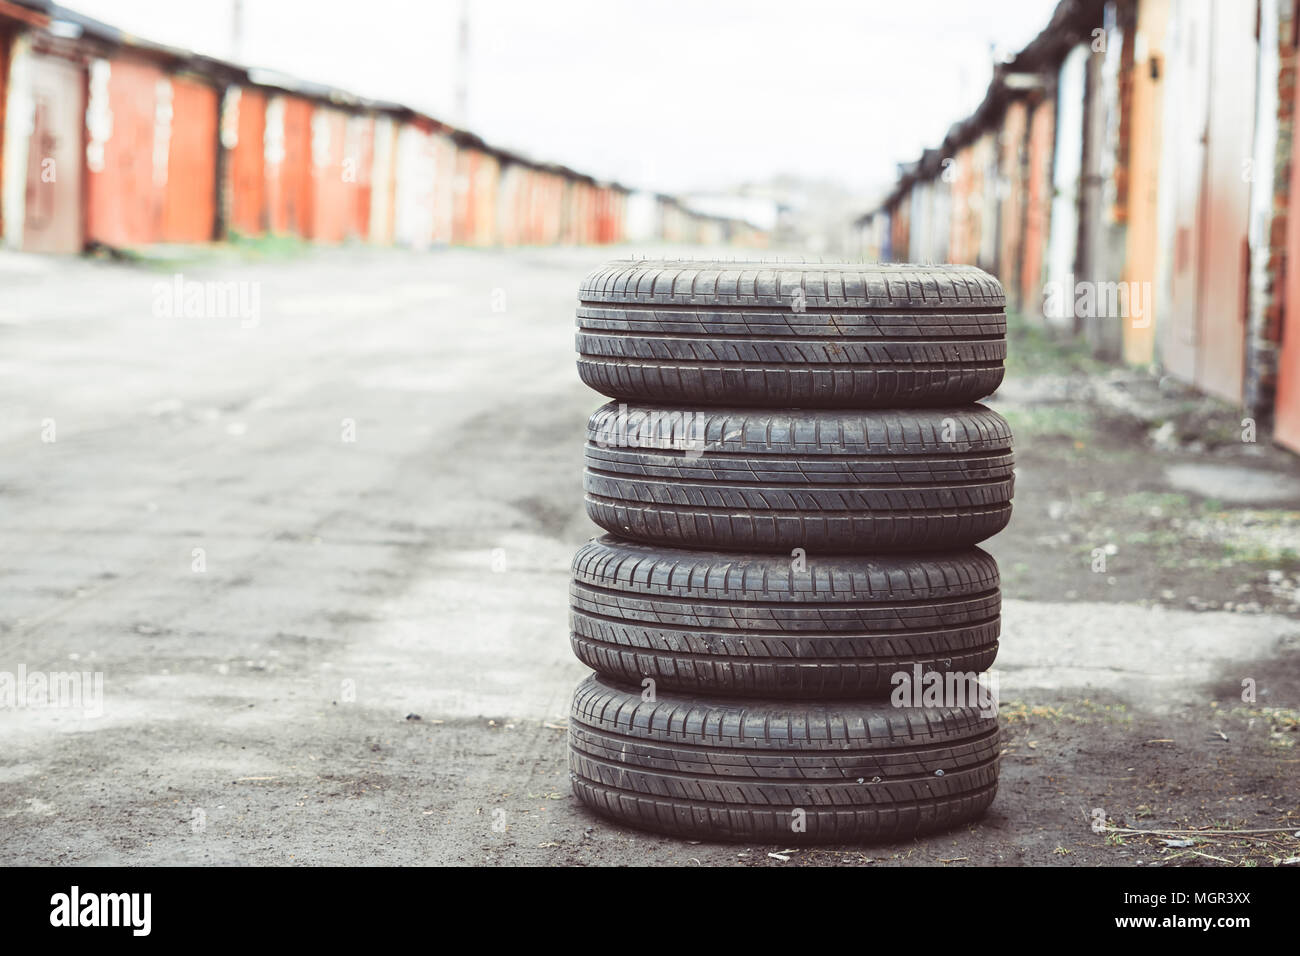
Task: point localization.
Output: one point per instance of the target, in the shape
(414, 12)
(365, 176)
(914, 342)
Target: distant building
(1130, 178)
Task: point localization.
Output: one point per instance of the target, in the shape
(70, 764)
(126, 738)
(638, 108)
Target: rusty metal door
(1185, 133)
(382, 181)
(6, 43)
(126, 172)
(413, 193)
(1063, 228)
(1042, 131)
(190, 206)
(248, 214)
(53, 215)
(1286, 425)
(1221, 352)
(359, 160)
(1146, 134)
(297, 164)
(288, 164)
(330, 192)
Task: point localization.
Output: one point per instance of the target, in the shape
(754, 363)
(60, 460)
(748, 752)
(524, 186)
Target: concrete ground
(318, 551)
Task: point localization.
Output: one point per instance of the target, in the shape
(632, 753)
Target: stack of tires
(793, 475)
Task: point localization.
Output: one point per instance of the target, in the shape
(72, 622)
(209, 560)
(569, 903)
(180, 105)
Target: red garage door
(52, 214)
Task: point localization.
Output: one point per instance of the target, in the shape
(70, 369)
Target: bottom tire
(779, 771)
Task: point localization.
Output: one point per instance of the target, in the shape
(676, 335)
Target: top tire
(791, 334)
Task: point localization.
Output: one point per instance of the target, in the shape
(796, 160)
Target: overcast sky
(672, 95)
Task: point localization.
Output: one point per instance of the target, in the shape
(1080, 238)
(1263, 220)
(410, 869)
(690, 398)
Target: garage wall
(52, 206)
(128, 158)
(190, 197)
(246, 160)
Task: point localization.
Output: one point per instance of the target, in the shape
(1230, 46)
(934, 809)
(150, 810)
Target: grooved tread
(741, 770)
(799, 334)
(753, 624)
(828, 481)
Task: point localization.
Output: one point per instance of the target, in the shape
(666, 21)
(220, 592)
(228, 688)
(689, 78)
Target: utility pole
(237, 30)
(462, 67)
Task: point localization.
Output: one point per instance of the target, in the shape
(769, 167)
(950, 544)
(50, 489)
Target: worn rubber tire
(827, 481)
(729, 333)
(747, 624)
(739, 770)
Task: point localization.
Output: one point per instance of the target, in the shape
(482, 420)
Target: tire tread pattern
(727, 624)
(791, 334)
(740, 770)
(826, 481)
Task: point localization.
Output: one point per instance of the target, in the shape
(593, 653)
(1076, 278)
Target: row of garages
(1129, 178)
(108, 141)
